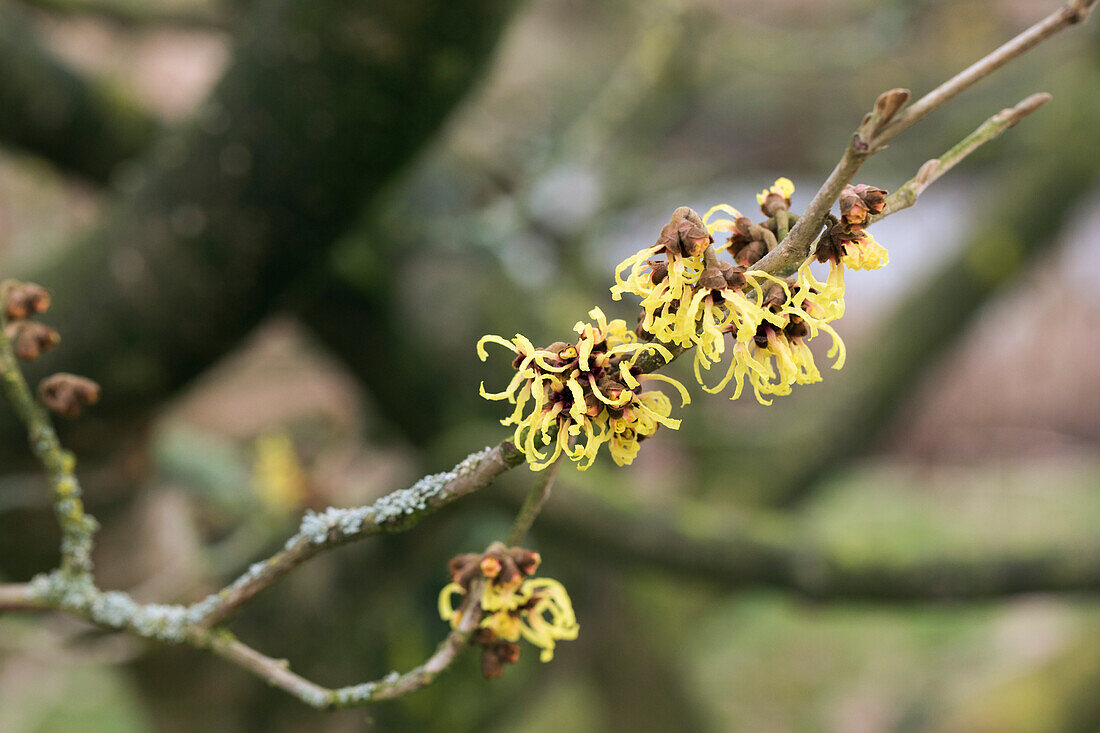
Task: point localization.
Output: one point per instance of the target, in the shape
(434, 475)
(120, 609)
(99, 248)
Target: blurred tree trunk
(325, 101)
(85, 127)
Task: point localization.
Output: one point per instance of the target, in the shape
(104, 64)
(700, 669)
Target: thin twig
(932, 170)
(885, 123)
(277, 672)
(396, 512)
(77, 528)
(1074, 12)
(532, 505)
(18, 597)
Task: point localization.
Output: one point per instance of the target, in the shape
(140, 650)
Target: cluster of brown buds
(750, 241)
(847, 240)
(512, 604)
(22, 301)
(65, 394)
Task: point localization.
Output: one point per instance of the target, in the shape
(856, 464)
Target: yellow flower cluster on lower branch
(572, 398)
(513, 604)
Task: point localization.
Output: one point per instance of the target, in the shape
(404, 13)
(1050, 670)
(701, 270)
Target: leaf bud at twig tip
(67, 394)
(23, 299)
(1029, 105)
(888, 104)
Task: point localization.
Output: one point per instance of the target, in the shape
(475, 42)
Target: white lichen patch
(334, 524)
(354, 695)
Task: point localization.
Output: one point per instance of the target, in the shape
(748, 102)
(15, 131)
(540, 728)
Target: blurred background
(275, 228)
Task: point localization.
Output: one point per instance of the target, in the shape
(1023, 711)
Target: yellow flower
(548, 618)
(783, 187)
(777, 356)
(539, 610)
(277, 475)
(864, 253)
(565, 394)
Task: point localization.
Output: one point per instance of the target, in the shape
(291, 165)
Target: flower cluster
(513, 604)
(20, 302)
(572, 398)
(847, 241)
(768, 320)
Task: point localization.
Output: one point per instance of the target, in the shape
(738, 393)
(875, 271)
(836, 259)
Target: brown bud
(774, 203)
(831, 245)
(712, 278)
(526, 560)
(750, 254)
(873, 198)
(774, 296)
(484, 637)
(460, 565)
(660, 270)
(888, 104)
(796, 328)
(24, 299)
(611, 388)
(669, 240)
(67, 394)
(31, 339)
(642, 334)
(508, 651)
(734, 276)
(491, 665)
(693, 238)
(741, 233)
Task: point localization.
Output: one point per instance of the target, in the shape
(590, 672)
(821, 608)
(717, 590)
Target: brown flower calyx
(67, 394)
(741, 234)
(733, 275)
(500, 565)
(22, 300)
(859, 202)
(774, 203)
(833, 243)
(495, 654)
(30, 340)
(660, 270)
(685, 234)
(750, 254)
(712, 278)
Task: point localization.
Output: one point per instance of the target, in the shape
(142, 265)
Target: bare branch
(18, 597)
(395, 512)
(277, 672)
(933, 169)
(538, 495)
(1073, 13)
(885, 123)
(77, 528)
